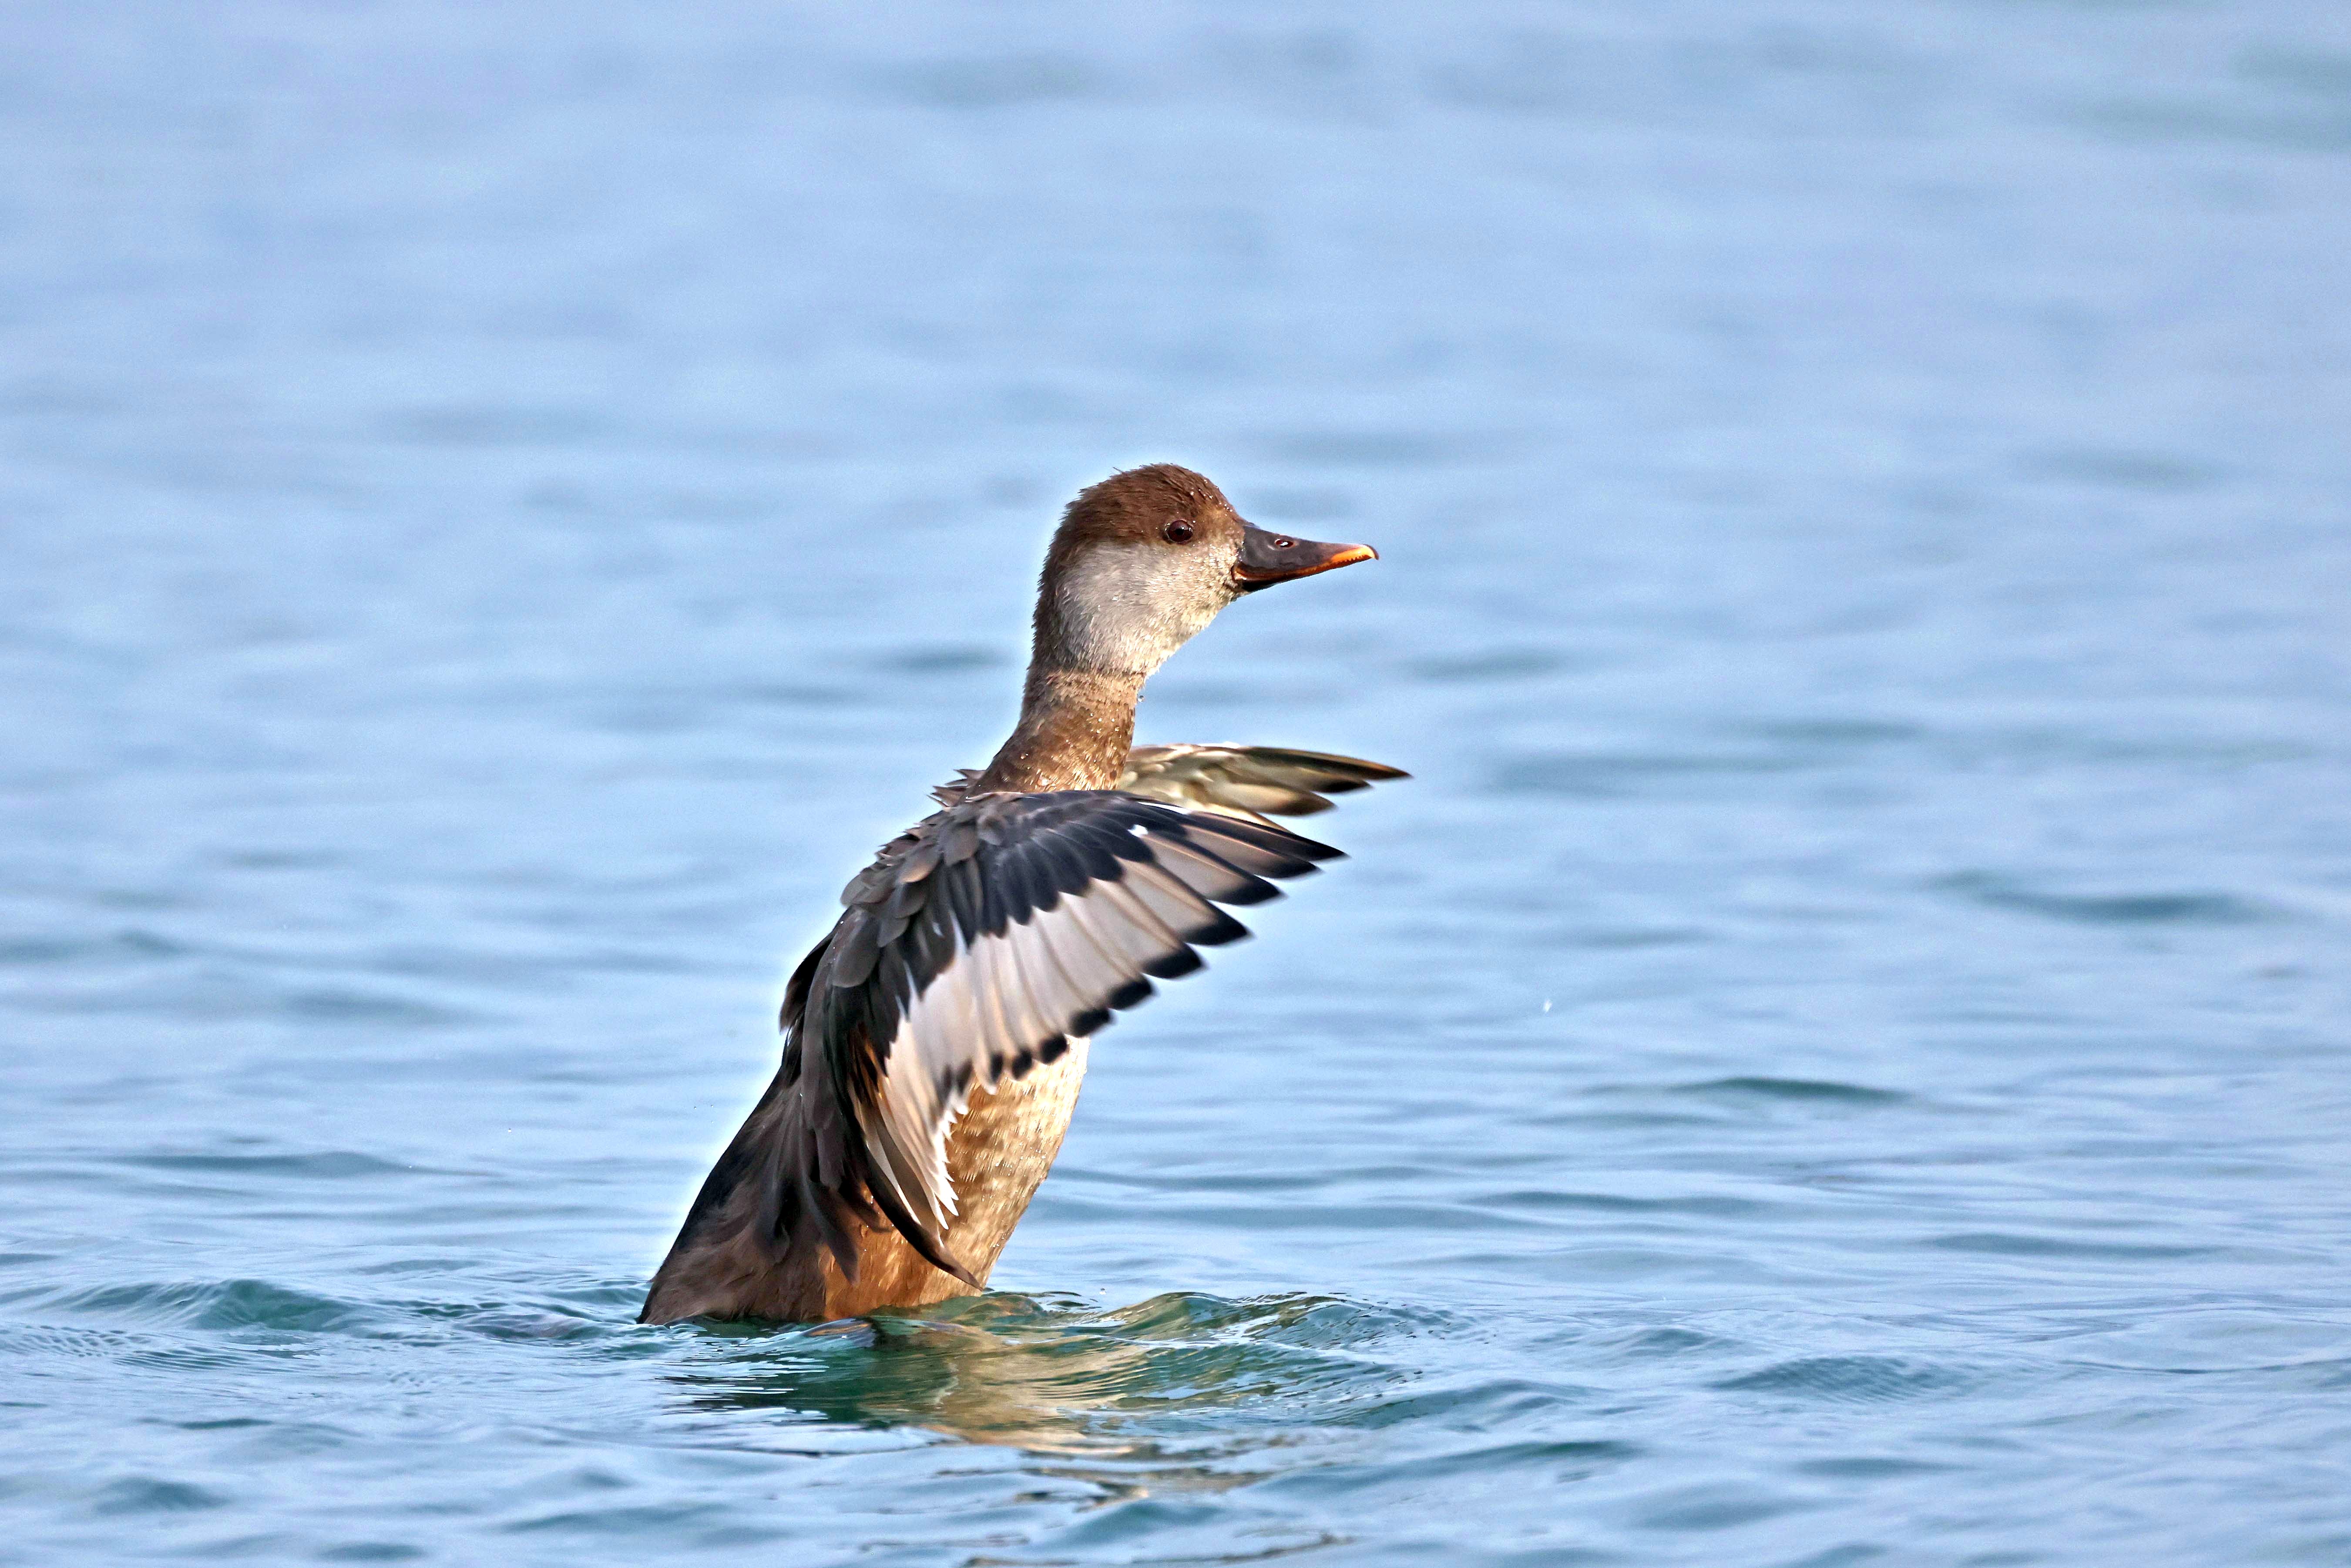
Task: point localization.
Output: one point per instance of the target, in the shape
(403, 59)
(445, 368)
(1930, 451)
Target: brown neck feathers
(1075, 730)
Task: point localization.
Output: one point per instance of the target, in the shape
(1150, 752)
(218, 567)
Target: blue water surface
(1838, 1057)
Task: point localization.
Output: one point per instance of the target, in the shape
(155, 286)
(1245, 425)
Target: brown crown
(1138, 503)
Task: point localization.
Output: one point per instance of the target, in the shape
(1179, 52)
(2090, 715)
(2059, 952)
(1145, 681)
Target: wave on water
(1050, 1373)
(2130, 908)
(1849, 1379)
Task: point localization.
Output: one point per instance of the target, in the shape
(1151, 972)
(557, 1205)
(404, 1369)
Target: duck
(935, 1041)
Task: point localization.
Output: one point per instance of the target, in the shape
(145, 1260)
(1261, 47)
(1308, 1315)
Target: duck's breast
(998, 1156)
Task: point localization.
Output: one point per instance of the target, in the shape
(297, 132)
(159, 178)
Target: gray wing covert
(977, 946)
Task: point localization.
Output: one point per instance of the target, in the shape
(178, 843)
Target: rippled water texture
(1837, 1057)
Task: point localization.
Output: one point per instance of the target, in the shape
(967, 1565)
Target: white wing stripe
(1209, 878)
(1169, 899)
(1122, 901)
(1124, 946)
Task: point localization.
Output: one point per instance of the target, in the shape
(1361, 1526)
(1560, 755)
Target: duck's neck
(1076, 727)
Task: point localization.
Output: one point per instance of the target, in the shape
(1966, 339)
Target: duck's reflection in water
(1178, 1380)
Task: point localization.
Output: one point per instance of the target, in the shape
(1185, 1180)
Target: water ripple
(1848, 1379)
(1998, 892)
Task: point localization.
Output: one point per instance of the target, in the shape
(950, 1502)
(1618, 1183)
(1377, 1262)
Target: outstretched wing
(1251, 782)
(977, 946)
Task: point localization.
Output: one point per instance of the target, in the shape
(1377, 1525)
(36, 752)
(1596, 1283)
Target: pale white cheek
(1128, 607)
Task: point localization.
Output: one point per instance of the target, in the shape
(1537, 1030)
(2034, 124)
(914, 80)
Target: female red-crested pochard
(934, 1041)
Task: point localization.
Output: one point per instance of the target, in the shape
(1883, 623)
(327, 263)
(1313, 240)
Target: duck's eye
(1285, 544)
(1178, 532)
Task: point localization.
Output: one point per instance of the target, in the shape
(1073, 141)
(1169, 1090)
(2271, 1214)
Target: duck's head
(1145, 558)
